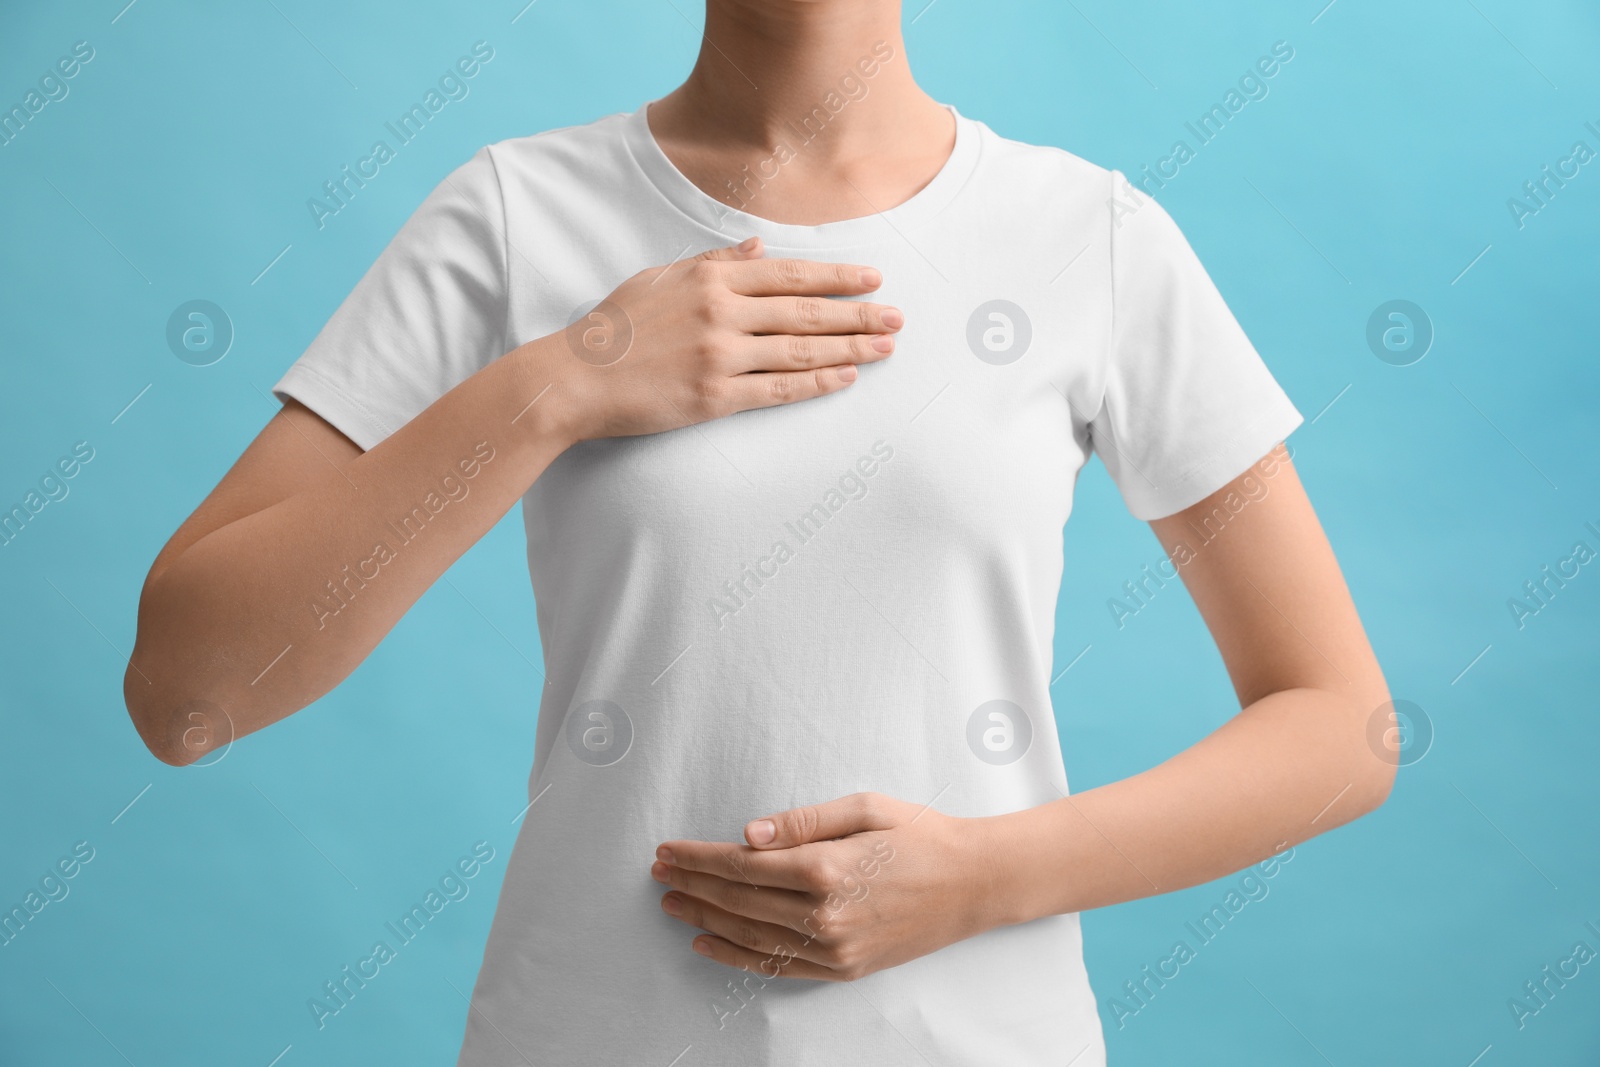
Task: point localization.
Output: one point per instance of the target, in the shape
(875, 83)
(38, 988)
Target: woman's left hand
(836, 891)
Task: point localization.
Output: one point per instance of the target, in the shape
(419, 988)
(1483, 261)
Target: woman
(794, 511)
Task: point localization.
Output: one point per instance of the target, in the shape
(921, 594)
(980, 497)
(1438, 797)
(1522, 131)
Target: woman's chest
(972, 432)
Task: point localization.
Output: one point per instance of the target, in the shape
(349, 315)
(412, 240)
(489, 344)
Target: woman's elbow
(1378, 785)
(177, 730)
(154, 729)
(1386, 739)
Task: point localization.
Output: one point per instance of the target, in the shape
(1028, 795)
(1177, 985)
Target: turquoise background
(1378, 168)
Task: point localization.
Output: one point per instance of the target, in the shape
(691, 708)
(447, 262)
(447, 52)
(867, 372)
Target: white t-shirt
(789, 605)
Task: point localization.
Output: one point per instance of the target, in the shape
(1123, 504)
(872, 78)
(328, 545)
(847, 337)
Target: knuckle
(733, 897)
(800, 350)
(781, 388)
(709, 393)
(807, 822)
(808, 311)
(789, 273)
(816, 875)
(712, 306)
(848, 961)
(708, 349)
(741, 867)
(747, 935)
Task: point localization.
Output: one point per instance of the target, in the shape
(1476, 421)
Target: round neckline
(724, 220)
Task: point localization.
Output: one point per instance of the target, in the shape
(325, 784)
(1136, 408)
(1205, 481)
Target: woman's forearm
(262, 616)
(1288, 767)
(286, 595)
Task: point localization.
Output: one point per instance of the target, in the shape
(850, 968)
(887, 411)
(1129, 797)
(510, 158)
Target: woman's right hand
(723, 332)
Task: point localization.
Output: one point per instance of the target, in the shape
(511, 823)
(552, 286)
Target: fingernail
(763, 830)
(664, 854)
(659, 871)
(747, 244)
(847, 373)
(892, 318)
(702, 947)
(671, 905)
(883, 343)
(871, 278)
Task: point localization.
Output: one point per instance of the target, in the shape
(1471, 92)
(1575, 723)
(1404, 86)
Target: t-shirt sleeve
(429, 313)
(1188, 404)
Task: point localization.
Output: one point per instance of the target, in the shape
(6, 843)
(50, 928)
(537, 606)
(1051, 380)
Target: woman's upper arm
(293, 450)
(1254, 558)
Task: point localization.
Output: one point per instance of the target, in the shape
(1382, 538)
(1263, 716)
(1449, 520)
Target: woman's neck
(826, 79)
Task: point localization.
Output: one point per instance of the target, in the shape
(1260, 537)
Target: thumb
(823, 822)
(749, 248)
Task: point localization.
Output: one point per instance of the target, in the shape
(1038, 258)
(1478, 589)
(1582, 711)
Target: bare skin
(881, 148)
(842, 889)
(226, 644)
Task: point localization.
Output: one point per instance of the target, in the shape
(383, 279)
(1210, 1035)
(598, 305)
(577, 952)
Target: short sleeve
(429, 313)
(1188, 404)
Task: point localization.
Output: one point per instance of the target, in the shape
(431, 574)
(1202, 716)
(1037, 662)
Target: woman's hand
(723, 332)
(837, 891)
